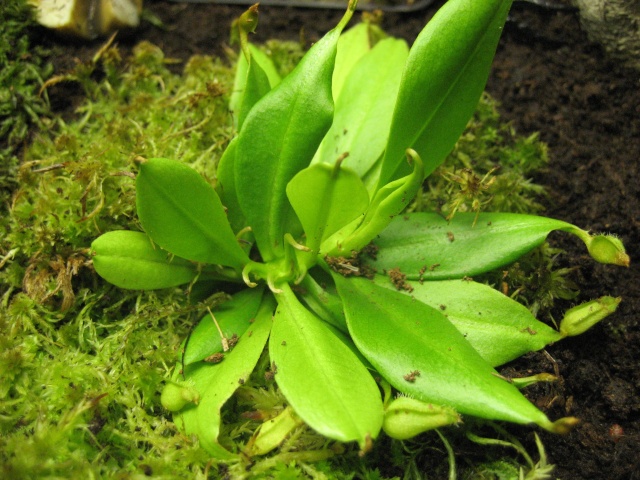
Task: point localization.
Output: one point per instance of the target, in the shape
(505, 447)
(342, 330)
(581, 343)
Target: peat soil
(550, 79)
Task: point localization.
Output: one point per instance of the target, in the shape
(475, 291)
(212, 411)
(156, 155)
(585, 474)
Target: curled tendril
(289, 268)
(248, 269)
(271, 283)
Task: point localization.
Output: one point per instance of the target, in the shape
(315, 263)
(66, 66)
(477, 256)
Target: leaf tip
(365, 445)
(582, 317)
(176, 396)
(406, 417)
(608, 249)
(562, 426)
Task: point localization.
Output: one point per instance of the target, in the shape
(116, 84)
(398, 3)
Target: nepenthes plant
(352, 298)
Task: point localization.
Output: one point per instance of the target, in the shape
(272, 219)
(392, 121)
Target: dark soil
(549, 78)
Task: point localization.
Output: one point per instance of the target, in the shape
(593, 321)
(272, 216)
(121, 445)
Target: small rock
(616, 25)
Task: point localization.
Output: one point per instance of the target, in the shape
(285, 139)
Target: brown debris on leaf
(411, 376)
(399, 280)
(371, 251)
(233, 340)
(215, 358)
(352, 266)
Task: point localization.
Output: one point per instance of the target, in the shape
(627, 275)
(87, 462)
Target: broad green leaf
(445, 75)
(364, 108)
(130, 260)
(243, 77)
(323, 300)
(266, 64)
(233, 318)
(326, 198)
(425, 245)
(419, 352)
(278, 139)
(217, 382)
(252, 83)
(182, 213)
(226, 187)
(352, 45)
(346, 340)
(388, 202)
(320, 296)
(497, 327)
(256, 85)
(322, 379)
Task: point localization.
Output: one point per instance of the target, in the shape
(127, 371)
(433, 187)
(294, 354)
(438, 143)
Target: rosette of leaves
(349, 296)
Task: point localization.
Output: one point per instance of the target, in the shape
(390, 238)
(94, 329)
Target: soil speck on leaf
(399, 280)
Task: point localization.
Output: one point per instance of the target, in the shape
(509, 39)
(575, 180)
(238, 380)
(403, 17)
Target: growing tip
(523, 382)
(250, 18)
(407, 417)
(412, 156)
(175, 396)
(582, 317)
(246, 278)
(351, 7)
(562, 426)
(608, 249)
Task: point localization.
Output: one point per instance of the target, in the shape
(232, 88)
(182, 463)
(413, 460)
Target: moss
(536, 280)
(23, 69)
(489, 169)
(81, 362)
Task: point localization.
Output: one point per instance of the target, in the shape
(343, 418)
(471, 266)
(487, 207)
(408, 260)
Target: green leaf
(130, 260)
(445, 75)
(352, 45)
(256, 84)
(233, 318)
(251, 81)
(326, 198)
(217, 382)
(364, 108)
(388, 202)
(425, 245)
(182, 213)
(419, 352)
(322, 299)
(497, 327)
(226, 187)
(266, 64)
(279, 138)
(321, 377)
